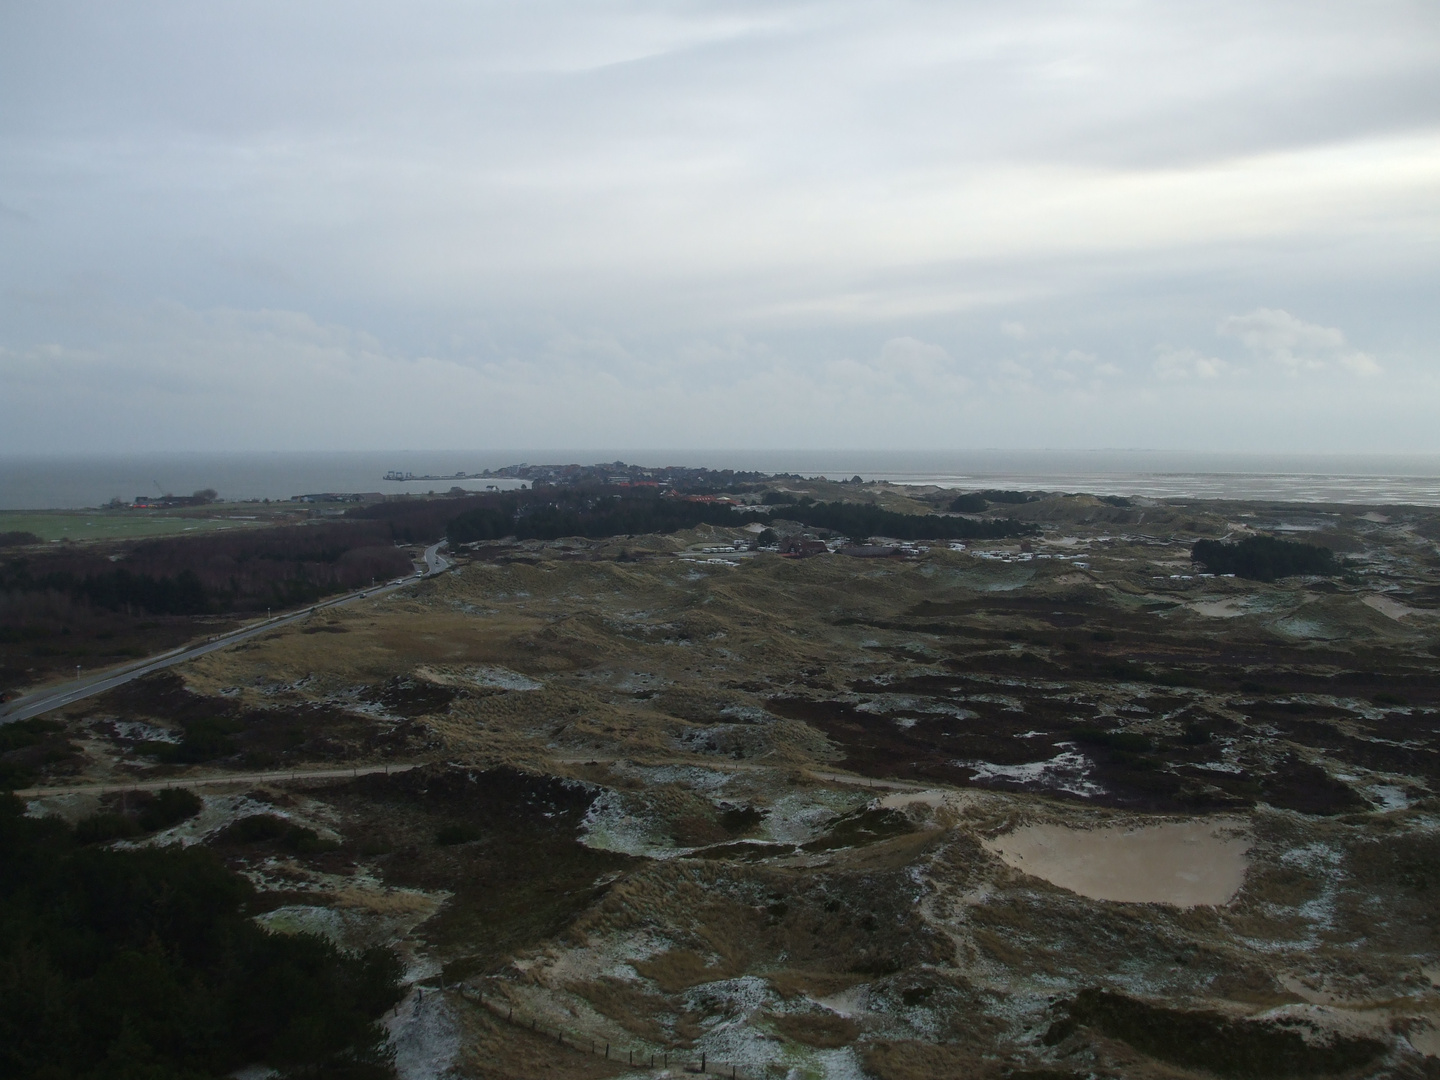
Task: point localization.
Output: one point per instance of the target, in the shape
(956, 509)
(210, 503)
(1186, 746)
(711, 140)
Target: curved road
(66, 693)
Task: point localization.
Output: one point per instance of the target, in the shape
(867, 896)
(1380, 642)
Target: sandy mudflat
(1181, 863)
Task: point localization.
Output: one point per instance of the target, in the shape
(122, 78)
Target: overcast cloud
(257, 225)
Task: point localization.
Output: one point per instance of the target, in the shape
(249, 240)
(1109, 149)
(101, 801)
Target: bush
(1239, 1049)
(270, 828)
(968, 504)
(1014, 498)
(103, 828)
(168, 807)
(450, 835)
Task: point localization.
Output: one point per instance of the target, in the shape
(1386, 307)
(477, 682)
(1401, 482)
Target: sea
(75, 482)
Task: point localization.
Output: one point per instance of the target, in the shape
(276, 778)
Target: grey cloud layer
(594, 213)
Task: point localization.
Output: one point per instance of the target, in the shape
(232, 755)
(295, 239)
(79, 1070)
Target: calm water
(72, 482)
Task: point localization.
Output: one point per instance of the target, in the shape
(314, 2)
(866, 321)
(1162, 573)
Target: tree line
(550, 513)
(218, 572)
(1264, 558)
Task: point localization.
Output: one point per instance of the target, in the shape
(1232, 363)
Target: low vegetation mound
(1264, 558)
(26, 746)
(145, 963)
(138, 812)
(1240, 1049)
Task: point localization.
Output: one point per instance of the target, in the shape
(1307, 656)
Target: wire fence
(644, 1058)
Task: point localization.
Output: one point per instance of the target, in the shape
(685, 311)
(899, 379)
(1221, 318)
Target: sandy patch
(1181, 863)
(1229, 608)
(933, 798)
(1392, 608)
(1426, 1039)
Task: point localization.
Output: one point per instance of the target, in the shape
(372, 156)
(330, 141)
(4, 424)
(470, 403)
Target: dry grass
(924, 1061)
(631, 1006)
(791, 983)
(495, 1050)
(825, 1031)
(680, 969)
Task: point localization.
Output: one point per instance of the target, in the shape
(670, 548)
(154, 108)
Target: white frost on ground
(799, 817)
(602, 956)
(141, 731)
(1066, 771)
(749, 714)
(216, 812)
(733, 1037)
(425, 1034)
(884, 703)
(1388, 797)
(500, 678)
(710, 782)
(609, 825)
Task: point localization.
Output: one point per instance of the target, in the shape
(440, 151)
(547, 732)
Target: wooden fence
(645, 1058)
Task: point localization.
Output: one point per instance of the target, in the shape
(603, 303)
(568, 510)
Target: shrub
(968, 504)
(450, 835)
(103, 828)
(168, 807)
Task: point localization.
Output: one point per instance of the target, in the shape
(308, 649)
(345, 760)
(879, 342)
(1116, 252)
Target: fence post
(702, 1062)
(607, 1051)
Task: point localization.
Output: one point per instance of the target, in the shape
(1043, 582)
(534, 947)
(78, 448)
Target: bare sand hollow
(1180, 863)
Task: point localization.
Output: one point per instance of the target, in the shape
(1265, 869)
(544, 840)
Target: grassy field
(132, 524)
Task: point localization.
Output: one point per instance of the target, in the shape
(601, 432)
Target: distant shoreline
(50, 482)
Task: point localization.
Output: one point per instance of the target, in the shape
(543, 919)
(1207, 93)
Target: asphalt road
(434, 561)
(55, 697)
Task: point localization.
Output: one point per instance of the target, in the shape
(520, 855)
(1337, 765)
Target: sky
(899, 225)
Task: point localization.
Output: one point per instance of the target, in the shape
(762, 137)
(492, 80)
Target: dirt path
(104, 788)
(212, 781)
